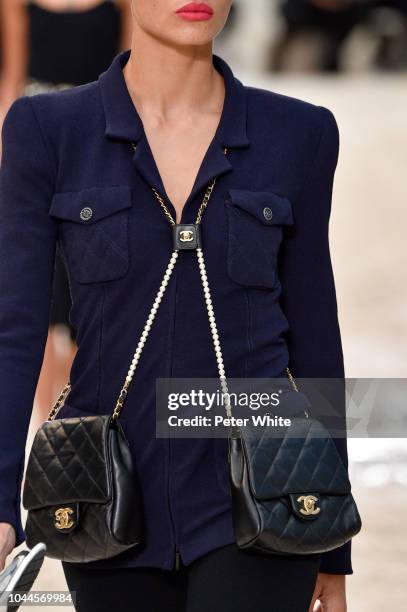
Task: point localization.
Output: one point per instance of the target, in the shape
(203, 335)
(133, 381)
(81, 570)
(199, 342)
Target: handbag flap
(69, 463)
(301, 458)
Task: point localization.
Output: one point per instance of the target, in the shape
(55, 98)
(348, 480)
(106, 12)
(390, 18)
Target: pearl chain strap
(144, 335)
(214, 332)
(159, 297)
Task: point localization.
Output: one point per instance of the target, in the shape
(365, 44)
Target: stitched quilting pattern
(67, 463)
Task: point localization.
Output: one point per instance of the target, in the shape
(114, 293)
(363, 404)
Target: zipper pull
(177, 560)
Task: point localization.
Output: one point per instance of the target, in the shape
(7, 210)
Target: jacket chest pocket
(94, 232)
(255, 221)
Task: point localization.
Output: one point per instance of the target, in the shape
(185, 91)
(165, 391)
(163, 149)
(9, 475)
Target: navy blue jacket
(271, 280)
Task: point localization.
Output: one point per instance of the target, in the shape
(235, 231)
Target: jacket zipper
(177, 554)
(177, 560)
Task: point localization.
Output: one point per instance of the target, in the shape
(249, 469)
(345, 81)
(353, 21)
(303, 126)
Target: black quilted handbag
(81, 489)
(290, 489)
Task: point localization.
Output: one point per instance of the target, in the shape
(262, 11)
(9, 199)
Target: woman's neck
(171, 81)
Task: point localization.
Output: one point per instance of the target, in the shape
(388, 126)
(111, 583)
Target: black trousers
(225, 580)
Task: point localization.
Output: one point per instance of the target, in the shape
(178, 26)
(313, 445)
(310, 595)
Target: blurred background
(347, 55)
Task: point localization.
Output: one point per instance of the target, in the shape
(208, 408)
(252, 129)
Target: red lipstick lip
(195, 7)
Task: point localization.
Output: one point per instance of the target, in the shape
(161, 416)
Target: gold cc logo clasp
(186, 236)
(308, 504)
(62, 518)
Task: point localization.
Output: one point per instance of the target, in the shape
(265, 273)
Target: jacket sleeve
(27, 251)
(309, 298)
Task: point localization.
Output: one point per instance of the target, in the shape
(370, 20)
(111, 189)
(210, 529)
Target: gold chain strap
(163, 206)
(202, 207)
(60, 402)
(291, 379)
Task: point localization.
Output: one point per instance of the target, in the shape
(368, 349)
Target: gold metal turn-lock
(186, 237)
(63, 518)
(308, 504)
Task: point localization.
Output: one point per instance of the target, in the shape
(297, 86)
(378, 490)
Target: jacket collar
(124, 123)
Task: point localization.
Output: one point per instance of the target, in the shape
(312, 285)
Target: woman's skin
(177, 92)
(179, 96)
